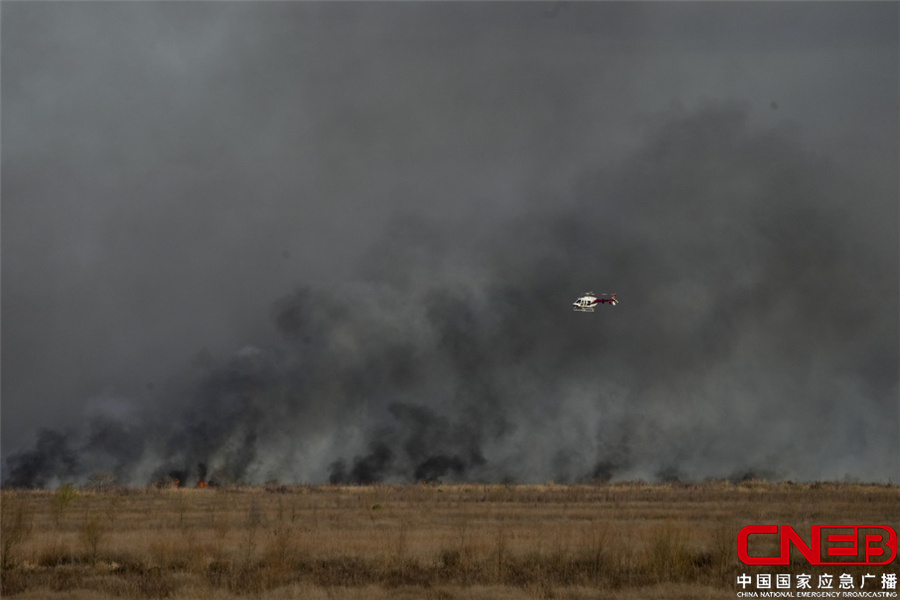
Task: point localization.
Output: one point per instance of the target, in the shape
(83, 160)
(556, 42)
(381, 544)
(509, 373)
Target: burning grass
(423, 541)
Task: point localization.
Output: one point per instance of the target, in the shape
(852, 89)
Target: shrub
(17, 525)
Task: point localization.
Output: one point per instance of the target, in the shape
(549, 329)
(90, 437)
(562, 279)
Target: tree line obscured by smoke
(757, 332)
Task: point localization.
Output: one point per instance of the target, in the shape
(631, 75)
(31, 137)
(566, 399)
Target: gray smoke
(757, 333)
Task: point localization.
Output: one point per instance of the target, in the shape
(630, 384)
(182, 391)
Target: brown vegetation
(629, 540)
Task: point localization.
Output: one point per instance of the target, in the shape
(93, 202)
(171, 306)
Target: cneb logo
(859, 544)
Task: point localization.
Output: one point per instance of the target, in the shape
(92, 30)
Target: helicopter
(590, 300)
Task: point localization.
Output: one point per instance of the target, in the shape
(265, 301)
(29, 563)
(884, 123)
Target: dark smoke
(432, 449)
(52, 456)
(757, 332)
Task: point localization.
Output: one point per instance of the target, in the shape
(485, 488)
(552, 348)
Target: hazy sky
(184, 186)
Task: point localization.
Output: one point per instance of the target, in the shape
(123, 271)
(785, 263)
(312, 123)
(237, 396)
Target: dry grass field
(628, 540)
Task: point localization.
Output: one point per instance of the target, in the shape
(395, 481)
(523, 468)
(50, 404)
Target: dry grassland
(625, 541)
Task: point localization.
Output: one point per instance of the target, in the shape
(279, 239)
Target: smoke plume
(757, 333)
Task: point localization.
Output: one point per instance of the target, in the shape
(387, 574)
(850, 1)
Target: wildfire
(201, 484)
